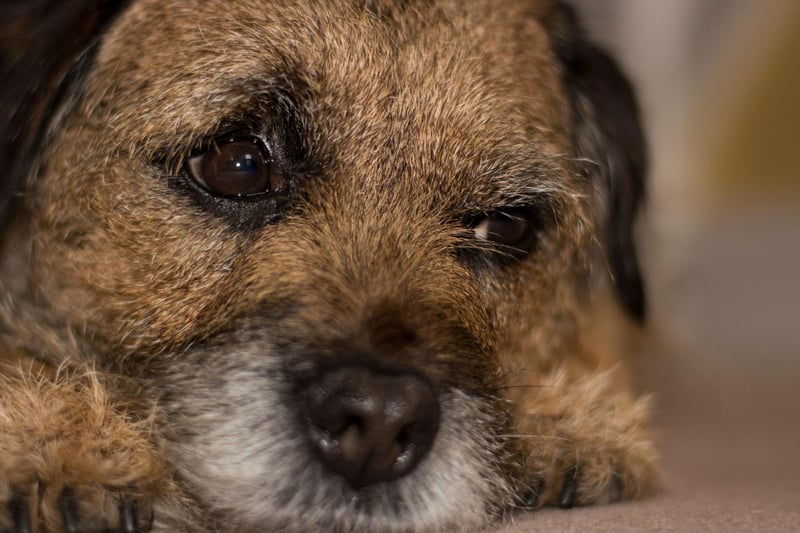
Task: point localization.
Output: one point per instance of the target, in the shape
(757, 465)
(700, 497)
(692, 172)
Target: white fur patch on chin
(256, 468)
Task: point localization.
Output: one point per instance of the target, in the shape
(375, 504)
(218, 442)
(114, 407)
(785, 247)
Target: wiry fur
(153, 338)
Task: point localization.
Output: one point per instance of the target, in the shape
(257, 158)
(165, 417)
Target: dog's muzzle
(370, 425)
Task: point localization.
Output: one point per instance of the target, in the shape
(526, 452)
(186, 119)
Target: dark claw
(146, 520)
(615, 490)
(569, 490)
(530, 498)
(132, 519)
(20, 516)
(69, 515)
(128, 517)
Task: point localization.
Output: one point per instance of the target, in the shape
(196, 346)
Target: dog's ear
(610, 141)
(45, 47)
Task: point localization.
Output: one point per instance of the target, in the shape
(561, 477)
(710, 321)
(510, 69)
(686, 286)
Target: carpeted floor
(728, 401)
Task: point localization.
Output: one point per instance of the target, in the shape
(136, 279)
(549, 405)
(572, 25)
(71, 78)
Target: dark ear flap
(609, 136)
(45, 46)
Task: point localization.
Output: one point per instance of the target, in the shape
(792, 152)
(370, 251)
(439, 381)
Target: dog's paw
(39, 507)
(71, 462)
(588, 443)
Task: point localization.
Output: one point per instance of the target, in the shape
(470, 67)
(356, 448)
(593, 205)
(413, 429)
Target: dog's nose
(371, 426)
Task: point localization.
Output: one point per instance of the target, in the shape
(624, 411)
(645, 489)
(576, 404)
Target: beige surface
(722, 475)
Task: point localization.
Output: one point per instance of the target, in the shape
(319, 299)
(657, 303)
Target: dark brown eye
(237, 168)
(512, 232)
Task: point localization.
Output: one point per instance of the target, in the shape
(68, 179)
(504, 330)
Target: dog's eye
(507, 228)
(512, 231)
(237, 168)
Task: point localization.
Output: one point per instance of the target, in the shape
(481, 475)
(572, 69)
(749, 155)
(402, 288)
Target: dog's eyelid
(174, 158)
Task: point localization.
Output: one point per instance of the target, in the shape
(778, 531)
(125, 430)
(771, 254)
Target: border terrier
(353, 265)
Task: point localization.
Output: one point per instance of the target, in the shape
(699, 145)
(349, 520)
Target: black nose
(371, 426)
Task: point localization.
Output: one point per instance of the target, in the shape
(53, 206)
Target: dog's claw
(20, 516)
(530, 498)
(128, 520)
(69, 514)
(131, 520)
(615, 489)
(568, 491)
(146, 520)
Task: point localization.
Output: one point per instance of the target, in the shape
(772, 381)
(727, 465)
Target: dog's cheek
(122, 257)
(539, 302)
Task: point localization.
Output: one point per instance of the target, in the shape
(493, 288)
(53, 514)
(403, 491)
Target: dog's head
(321, 235)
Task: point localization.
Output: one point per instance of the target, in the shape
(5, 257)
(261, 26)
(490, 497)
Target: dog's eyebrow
(269, 105)
(521, 181)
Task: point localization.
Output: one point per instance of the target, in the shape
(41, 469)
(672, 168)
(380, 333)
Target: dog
(352, 265)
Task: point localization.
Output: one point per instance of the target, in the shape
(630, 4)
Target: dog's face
(325, 237)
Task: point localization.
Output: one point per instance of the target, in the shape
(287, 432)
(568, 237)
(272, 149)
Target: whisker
(531, 437)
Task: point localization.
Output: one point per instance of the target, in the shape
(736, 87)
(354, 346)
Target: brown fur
(138, 319)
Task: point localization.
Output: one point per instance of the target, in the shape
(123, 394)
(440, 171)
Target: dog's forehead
(462, 80)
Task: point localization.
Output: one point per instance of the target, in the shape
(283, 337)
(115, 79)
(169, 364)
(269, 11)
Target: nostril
(371, 426)
(404, 437)
(332, 418)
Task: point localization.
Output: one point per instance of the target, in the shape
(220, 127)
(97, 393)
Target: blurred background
(719, 82)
